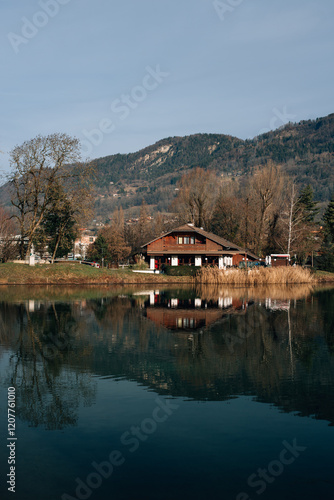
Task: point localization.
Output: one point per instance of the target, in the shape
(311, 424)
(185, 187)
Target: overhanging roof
(190, 228)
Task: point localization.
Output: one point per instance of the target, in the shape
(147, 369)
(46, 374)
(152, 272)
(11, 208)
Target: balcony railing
(177, 247)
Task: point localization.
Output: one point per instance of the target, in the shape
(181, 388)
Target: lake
(167, 393)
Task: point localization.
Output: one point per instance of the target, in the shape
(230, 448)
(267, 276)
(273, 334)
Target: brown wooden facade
(280, 260)
(189, 245)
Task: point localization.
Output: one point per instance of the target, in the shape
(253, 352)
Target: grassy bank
(76, 274)
(324, 276)
(261, 276)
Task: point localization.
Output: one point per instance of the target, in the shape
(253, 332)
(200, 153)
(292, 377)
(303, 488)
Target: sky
(122, 74)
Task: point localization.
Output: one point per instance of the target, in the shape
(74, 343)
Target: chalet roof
(190, 228)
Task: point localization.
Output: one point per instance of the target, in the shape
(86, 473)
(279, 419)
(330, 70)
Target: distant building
(82, 243)
(190, 245)
(278, 259)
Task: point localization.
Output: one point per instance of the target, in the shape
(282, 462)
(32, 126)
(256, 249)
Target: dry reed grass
(260, 292)
(261, 276)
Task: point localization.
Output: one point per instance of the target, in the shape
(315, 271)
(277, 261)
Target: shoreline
(73, 275)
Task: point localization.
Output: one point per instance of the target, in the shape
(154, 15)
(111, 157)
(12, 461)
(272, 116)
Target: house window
(185, 240)
(90, 239)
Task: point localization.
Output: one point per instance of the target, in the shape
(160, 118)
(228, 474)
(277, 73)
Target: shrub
(140, 266)
(180, 270)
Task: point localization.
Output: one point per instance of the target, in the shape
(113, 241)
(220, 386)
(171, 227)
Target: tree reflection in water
(41, 338)
(206, 343)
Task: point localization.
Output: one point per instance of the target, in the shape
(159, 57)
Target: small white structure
(32, 256)
(198, 261)
(175, 261)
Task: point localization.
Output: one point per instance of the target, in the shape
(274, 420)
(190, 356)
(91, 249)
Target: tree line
(118, 241)
(264, 212)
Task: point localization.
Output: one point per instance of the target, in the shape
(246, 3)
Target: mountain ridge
(304, 149)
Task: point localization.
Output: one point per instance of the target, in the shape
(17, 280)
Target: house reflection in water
(277, 305)
(189, 314)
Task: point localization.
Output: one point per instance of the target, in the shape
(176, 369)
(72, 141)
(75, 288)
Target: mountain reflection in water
(275, 344)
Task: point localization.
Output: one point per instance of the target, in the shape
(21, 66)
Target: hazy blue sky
(122, 74)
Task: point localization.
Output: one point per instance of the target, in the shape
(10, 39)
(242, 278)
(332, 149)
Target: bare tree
(8, 246)
(140, 233)
(229, 218)
(118, 220)
(265, 195)
(117, 249)
(37, 165)
(198, 191)
(299, 234)
(293, 217)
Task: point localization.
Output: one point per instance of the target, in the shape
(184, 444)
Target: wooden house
(190, 245)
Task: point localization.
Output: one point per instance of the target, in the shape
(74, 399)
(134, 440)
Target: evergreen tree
(99, 250)
(59, 224)
(307, 203)
(329, 219)
(326, 259)
(110, 245)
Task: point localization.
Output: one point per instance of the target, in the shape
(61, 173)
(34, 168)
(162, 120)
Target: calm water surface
(168, 393)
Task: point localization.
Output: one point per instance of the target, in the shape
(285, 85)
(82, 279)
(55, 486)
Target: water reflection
(201, 343)
(40, 338)
(189, 310)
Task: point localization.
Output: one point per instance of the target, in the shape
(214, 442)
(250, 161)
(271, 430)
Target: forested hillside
(305, 150)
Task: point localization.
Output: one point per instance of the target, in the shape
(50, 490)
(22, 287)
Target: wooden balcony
(159, 246)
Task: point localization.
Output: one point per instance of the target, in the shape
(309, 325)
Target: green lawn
(324, 275)
(75, 273)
